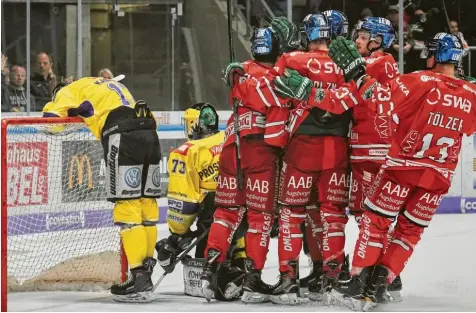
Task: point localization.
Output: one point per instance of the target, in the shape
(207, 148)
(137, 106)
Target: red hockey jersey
(251, 114)
(371, 130)
(316, 65)
(431, 113)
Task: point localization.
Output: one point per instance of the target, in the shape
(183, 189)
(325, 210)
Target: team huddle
(323, 124)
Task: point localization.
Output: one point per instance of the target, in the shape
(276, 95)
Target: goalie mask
(200, 121)
(445, 47)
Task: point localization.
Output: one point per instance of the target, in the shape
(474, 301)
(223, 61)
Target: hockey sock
(334, 220)
(290, 236)
(370, 243)
(134, 239)
(151, 234)
(406, 236)
(226, 221)
(313, 236)
(257, 237)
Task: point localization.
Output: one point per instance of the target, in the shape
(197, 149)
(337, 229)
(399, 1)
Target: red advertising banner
(27, 173)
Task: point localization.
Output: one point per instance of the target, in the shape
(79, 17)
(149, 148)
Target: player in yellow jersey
(128, 133)
(193, 169)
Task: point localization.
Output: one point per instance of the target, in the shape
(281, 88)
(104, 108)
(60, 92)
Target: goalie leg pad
(226, 221)
(290, 236)
(258, 235)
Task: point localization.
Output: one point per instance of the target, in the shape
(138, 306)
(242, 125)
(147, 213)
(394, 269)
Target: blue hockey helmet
(315, 27)
(264, 45)
(338, 22)
(445, 47)
(379, 26)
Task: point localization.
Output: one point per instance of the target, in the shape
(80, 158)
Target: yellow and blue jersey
(193, 171)
(91, 98)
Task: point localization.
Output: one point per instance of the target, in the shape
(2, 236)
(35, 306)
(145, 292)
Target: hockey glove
(344, 53)
(169, 248)
(293, 85)
(230, 71)
(287, 33)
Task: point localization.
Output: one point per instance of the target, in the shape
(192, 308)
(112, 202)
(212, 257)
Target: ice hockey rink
(440, 276)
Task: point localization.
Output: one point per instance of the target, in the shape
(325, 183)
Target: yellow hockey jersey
(91, 98)
(193, 170)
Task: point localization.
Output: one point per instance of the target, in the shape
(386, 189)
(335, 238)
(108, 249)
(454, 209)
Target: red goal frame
(4, 214)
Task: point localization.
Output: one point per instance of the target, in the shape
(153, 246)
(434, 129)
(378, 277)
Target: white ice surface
(439, 277)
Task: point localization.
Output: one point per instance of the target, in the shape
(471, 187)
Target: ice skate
(254, 289)
(230, 280)
(209, 275)
(138, 287)
(376, 291)
(351, 293)
(315, 283)
(285, 291)
(395, 289)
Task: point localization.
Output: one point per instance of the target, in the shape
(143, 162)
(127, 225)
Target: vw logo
(133, 177)
(156, 177)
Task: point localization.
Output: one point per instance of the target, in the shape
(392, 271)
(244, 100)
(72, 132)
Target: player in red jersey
(324, 166)
(260, 167)
(371, 131)
(431, 111)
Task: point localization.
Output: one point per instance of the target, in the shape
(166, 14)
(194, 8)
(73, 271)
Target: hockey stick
(171, 268)
(236, 127)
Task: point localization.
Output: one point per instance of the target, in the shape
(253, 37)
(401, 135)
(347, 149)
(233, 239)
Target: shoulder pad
(184, 148)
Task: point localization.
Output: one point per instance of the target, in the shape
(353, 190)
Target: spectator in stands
(455, 31)
(106, 73)
(366, 12)
(16, 98)
(43, 81)
(393, 11)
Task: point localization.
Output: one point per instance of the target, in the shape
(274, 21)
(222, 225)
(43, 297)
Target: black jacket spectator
(40, 89)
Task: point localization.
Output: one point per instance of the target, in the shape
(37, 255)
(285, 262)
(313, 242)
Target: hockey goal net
(57, 229)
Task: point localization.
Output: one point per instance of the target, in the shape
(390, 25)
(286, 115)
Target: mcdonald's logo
(79, 163)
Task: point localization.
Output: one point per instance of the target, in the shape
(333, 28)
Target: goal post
(57, 229)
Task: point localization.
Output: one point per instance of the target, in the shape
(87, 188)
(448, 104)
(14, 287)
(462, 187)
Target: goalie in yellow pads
(193, 170)
(128, 133)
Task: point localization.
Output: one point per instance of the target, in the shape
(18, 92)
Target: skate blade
(316, 296)
(139, 297)
(254, 297)
(396, 296)
(303, 292)
(362, 305)
(208, 293)
(285, 299)
(367, 305)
